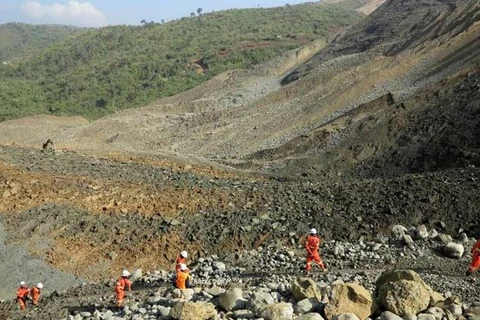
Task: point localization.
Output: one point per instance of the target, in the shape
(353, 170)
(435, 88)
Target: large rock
(193, 311)
(421, 232)
(304, 288)
(258, 301)
(453, 250)
(232, 299)
(350, 298)
(404, 296)
(403, 292)
(310, 316)
(277, 311)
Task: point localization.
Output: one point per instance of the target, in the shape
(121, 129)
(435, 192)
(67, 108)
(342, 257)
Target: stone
(220, 266)
(404, 296)
(215, 291)
(338, 250)
(277, 311)
(137, 274)
(407, 239)
(186, 294)
(410, 316)
(306, 305)
(387, 315)
(425, 316)
(437, 312)
(232, 299)
(304, 288)
(453, 250)
(243, 314)
(193, 311)
(258, 301)
(163, 311)
(399, 231)
(421, 232)
(309, 316)
(346, 316)
(350, 298)
(443, 238)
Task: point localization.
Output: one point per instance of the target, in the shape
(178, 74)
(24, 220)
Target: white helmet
(313, 231)
(22, 283)
(125, 273)
(183, 266)
(39, 285)
(184, 254)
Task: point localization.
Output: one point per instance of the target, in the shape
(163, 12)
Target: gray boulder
(309, 316)
(232, 299)
(258, 301)
(453, 250)
(306, 305)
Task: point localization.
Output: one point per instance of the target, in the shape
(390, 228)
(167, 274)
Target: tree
(163, 21)
(143, 21)
(192, 14)
(199, 11)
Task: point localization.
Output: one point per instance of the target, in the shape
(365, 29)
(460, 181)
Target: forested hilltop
(98, 71)
(20, 41)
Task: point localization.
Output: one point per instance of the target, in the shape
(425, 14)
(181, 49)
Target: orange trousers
(120, 297)
(314, 257)
(21, 302)
(475, 263)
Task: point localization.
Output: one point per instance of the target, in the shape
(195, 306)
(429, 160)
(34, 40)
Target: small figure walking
(35, 293)
(22, 295)
(475, 258)
(123, 283)
(312, 244)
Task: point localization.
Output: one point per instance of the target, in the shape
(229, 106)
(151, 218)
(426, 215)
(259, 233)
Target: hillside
(103, 70)
(20, 42)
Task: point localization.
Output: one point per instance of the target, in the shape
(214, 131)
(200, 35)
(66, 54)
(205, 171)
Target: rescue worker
(182, 281)
(475, 258)
(182, 258)
(22, 295)
(311, 244)
(35, 293)
(123, 283)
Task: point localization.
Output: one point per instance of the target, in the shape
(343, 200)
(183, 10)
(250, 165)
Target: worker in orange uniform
(35, 293)
(182, 258)
(475, 258)
(311, 244)
(123, 283)
(22, 295)
(182, 280)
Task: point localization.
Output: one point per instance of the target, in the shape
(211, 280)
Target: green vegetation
(102, 70)
(19, 41)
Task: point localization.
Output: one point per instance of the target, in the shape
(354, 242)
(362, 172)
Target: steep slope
(118, 67)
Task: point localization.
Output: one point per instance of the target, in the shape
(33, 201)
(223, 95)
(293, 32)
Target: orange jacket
(182, 278)
(312, 243)
(476, 248)
(35, 294)
(22, 293)
(123, 284)
(179, 260)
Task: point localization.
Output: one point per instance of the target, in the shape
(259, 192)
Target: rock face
(277, 311)
(304, 288)
(231, 300)
(193, 311)
(404, 292)
(453, 250)
(350, 298)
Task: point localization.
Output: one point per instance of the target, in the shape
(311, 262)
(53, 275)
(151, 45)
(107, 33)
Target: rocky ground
(268, 284)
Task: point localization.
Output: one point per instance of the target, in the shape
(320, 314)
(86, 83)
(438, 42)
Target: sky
(98, 13)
